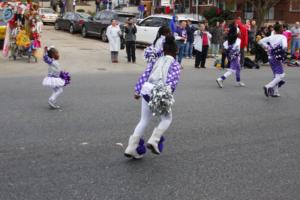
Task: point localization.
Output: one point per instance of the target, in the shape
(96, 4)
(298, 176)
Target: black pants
(201, 57)
(224, 57)
(130, 50)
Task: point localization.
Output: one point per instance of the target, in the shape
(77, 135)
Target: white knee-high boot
(155, 142)
(136, 147)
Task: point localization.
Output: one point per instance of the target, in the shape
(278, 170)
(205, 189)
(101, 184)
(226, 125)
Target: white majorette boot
(136, 147)
(155, 143)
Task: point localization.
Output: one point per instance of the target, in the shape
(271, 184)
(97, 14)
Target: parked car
(97, 25)
(47, 15)
(71, 21)
(2, 30)
(147, 29)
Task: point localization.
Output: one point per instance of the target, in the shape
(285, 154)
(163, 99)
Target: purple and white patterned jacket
(172, 77)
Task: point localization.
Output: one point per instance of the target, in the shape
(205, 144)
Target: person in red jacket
(243, 35)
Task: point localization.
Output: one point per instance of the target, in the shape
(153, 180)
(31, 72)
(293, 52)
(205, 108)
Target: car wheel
(104, 36)
(71, 29)
(56, 26)
(84, 32)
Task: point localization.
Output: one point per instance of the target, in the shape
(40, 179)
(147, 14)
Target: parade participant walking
(56, 79)
(114, 33)
(154, 51)
(276, 45)
(201, 45)
(180, 35)
(130, 37)
(216, 39)
(165, 70)
(190, 29)
(232, 46)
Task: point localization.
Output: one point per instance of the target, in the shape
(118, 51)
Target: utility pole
(197, 9)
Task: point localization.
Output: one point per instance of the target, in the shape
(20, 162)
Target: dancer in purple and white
(168, 66)
(55, 79)
(153, 52)
(276, 45)
(232, 47)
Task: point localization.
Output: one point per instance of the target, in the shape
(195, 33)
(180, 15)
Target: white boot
(155, 143)
(135, 148)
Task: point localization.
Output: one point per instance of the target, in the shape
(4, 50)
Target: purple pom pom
(141, 149)
(160, 144)
(151, 54)
(66, 77)
(277, 52)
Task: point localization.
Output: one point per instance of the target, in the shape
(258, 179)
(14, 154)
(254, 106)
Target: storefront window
(231, 5)
(204, 2)
(294, 5)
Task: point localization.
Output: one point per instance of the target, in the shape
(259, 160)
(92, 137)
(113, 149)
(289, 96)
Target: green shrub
(80, 10)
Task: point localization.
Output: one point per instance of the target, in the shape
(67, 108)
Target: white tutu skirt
(53, 82)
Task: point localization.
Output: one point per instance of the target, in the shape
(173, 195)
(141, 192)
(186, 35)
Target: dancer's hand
(136, 96)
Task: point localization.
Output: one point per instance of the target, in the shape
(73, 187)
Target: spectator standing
(180, 35)
(97, 2)
(252, 33)
(216, 39)
(201, 44)
(141, 10)
(130, 38)
(295, 38)
(74, 5)
(224, 55)
(243, 35)
(62, 7)
(113, 34)
(190, 29)
(53, 4)
(288, 34)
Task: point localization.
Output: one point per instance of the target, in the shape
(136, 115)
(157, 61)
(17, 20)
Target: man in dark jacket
(130, 38)
(190, 29)
(217, 38)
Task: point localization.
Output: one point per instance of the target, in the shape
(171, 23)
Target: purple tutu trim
(141, 149)
(66, 77)
(160, 144)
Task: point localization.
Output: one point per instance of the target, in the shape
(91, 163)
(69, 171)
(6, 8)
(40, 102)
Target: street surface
(224, 144)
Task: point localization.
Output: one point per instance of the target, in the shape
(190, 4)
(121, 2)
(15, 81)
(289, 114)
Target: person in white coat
(114, 33)
(201, 45)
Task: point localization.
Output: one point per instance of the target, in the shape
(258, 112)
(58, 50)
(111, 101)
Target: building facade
(287, 11)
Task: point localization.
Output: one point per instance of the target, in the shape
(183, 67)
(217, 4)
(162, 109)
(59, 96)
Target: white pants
(274, 83)
(146, 115)
(56, 92)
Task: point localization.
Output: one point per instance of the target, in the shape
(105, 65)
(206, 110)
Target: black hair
(161, 31)
(232, 35)
(170, 46)
(51, 52)
(113, 20)
(277, 28)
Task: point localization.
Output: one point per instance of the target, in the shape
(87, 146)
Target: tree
(261, 8)
(69, 5)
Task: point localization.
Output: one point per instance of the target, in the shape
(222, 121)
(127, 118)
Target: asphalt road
(224, 144)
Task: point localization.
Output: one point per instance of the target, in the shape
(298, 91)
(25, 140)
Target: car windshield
(84, 15)
(47, 11)
(124, 18)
